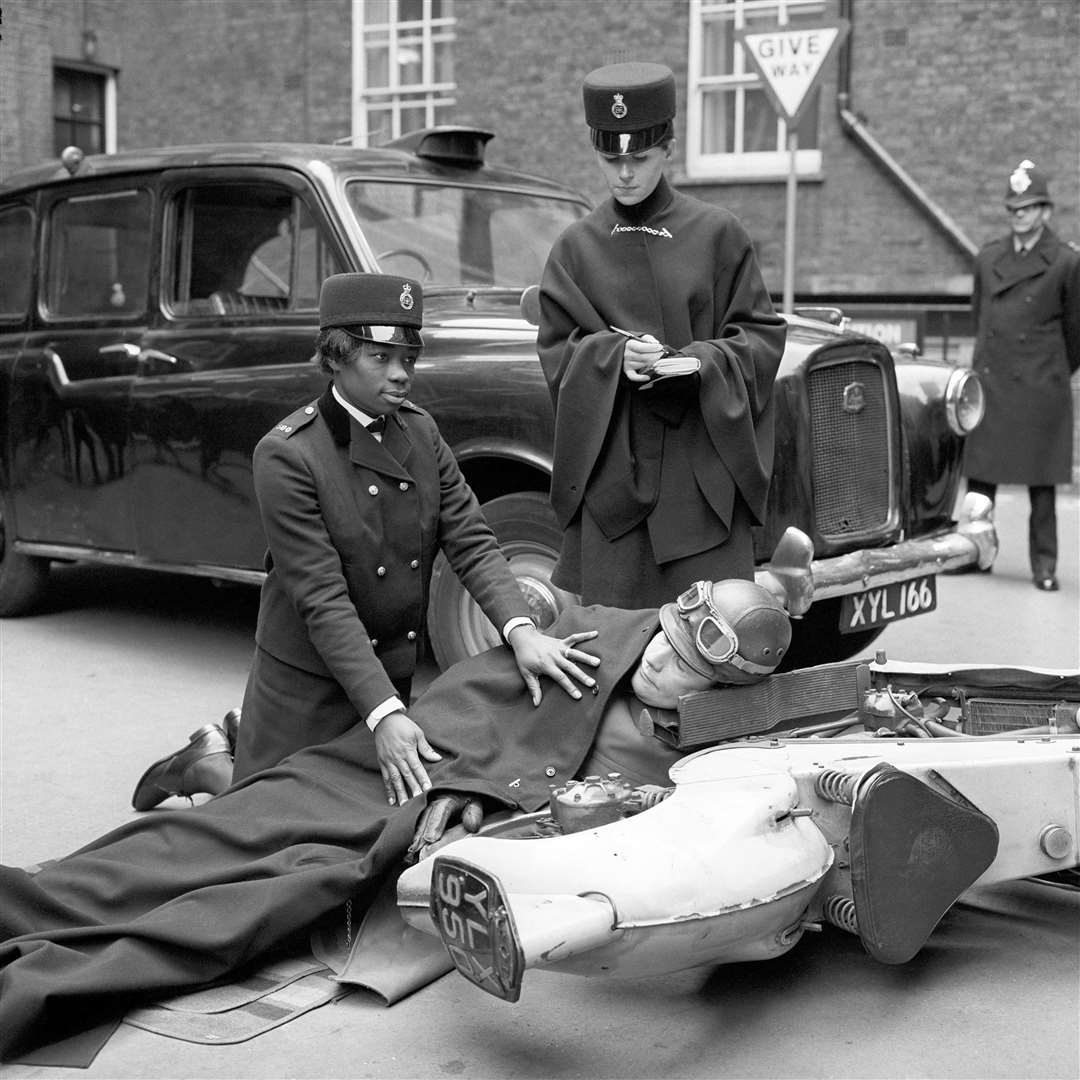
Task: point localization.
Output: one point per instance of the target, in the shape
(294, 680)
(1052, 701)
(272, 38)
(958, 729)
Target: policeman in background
(1026, 305)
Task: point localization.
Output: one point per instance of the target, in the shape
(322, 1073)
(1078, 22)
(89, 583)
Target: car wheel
(22, 577)
(816, 638)
(530, 539)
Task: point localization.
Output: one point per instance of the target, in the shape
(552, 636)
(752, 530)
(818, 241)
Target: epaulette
(295, 422)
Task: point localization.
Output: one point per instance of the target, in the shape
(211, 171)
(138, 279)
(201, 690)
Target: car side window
(99, 254)
(16, 260)
(246, 250)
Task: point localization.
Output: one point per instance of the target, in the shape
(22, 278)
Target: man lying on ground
(173, 901)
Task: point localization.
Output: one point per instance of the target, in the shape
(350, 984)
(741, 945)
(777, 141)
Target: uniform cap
(1027, 186)
(374, 307)
(759, 628)
(629, 107)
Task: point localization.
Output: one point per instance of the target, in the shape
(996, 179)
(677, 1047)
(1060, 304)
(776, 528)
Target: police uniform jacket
(353, 527)
(676, 454)
(1027, 325)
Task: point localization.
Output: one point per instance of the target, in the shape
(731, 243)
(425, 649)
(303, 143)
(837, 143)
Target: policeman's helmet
(1028, 186)
(732, 631)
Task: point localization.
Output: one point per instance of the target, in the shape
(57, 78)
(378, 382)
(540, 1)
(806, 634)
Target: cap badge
(406, 298)
(618, 108)
(1019, 180)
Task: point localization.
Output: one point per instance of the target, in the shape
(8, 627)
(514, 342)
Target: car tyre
(530, 537)
(22, 577)
(816, 638)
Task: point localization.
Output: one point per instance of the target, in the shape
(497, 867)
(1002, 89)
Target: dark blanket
(176, 899)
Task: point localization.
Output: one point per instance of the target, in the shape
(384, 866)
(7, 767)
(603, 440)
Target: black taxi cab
(158, 310)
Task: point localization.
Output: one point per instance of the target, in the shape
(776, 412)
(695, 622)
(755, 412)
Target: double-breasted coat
(1027, 345)
(352, 528)
(174, 900)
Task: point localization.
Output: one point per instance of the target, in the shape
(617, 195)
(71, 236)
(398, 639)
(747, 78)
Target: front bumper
(972, 541)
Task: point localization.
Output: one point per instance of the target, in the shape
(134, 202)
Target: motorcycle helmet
(733, 631)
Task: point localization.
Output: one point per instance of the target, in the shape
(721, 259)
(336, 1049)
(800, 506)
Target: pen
(627, 333)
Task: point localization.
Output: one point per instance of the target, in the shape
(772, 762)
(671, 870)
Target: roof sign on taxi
(790, 61)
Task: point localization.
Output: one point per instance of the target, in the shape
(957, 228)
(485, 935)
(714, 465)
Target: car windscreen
(457, 235)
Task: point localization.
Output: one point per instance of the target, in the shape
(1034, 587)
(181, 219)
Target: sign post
(790, 62)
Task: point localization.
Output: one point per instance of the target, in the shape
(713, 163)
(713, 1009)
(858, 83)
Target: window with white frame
(84, 109)
(732, 130)
(403, 67)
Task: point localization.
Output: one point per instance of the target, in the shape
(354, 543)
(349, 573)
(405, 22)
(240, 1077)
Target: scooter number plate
(888, 603)
(474, 920)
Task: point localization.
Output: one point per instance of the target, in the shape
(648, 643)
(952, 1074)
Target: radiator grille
(851, 450)
(987, 716)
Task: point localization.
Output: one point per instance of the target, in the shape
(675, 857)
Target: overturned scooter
(875, 821)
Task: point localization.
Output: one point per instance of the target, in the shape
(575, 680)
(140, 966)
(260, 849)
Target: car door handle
(124, 348)
(136, 352)
(153, 358)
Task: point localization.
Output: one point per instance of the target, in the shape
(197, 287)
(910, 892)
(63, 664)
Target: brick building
(902, 160)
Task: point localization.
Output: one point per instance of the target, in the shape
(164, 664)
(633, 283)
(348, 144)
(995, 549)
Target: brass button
(415, 564)
(404, 486)
(411, 635)
(381, 571)
(310, 409)
(373, 490)
(550, 770)
(374, 642)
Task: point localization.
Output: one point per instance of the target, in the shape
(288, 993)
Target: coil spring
(836, 786)
(649, 799)
(840, 911)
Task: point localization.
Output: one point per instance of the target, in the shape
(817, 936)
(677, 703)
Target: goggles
(714, 637)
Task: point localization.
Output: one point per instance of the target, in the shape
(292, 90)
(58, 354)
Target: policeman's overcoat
(1027, 320)
(353, 527)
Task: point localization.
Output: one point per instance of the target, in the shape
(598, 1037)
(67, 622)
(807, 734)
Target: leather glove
(437, 817)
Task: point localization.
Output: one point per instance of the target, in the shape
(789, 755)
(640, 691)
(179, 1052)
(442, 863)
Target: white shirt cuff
(390, 705)
(520, 620)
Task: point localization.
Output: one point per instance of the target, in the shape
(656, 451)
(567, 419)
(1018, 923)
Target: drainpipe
(857, 131)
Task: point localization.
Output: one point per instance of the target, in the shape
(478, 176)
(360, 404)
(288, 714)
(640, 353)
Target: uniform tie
(377, 426)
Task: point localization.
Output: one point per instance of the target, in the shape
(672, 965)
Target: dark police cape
(177, 899)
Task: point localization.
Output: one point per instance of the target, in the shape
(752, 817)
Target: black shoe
(231, 726)
(204, 765)
(1047, 584)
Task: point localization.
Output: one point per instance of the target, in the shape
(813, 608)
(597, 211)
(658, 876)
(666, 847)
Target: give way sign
(790, 61)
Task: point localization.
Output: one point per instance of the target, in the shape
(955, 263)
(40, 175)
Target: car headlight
(965, 401)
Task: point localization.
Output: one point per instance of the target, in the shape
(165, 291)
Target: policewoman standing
(656, 482)
(357, 492)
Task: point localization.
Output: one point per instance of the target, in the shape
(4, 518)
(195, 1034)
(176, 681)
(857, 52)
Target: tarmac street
(121, 666)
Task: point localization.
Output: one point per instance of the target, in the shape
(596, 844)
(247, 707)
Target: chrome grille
(851, 449)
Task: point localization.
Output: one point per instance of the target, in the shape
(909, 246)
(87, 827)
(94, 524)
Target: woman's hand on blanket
(439, 814)
(558, 658)
(400, 744)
